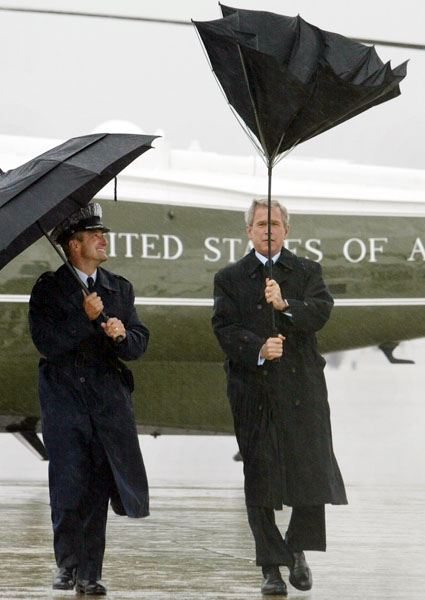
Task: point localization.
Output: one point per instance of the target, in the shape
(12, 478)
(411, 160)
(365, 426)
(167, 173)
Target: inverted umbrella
(40, 194)
(287, 81)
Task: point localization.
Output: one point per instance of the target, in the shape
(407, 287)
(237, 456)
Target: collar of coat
(69, 286)
(282, 268)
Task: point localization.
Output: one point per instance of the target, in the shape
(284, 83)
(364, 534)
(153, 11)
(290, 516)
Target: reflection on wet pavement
(197, 544)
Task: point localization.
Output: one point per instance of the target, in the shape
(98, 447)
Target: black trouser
(79, 535)
(306, 531)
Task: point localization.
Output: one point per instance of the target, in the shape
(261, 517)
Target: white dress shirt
(84, 276)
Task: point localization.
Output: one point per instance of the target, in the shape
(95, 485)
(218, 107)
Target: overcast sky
(63, 76)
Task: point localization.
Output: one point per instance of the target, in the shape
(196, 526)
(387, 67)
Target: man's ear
(73, 244)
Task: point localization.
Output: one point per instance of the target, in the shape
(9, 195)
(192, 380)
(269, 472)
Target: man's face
(257, 232)
(91, 248)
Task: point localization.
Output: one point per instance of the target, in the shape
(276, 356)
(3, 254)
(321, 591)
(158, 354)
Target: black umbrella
(40, 194)
(287, 81)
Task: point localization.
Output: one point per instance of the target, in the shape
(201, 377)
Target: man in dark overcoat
(87, 415)
(280, 408)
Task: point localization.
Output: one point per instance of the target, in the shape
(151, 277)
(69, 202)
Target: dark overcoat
(85, 390)
(280, 409)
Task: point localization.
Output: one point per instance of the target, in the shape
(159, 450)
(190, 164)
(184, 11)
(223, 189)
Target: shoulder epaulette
(121, 277)
(45, 276)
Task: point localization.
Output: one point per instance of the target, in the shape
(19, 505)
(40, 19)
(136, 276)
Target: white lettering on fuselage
(211, 244)
(417, 248)
(128, 243)
(179, 247)
(216, 254)
(310, 247)
(291, 244)
(219, 248)
(154, 246)
(355, 250)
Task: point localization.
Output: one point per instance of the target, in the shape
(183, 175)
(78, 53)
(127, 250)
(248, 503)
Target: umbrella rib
(64, 260)
(55, 163)
(46, 174)
(283, 155)
(66, 162)
(244, 126)
(262, 142)
(251, 136)
(275, 154)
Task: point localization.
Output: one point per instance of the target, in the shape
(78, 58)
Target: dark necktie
(267, 267)
(90, 284)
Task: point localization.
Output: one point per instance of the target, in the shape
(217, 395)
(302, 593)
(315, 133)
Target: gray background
(64, 76)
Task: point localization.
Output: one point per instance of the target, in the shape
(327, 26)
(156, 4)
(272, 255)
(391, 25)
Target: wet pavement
(196, 544)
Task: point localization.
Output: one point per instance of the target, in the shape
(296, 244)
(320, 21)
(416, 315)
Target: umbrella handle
(103, 315)
(119, 338)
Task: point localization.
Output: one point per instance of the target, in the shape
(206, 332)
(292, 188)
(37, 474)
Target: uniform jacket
(84, 388)
(280, 410)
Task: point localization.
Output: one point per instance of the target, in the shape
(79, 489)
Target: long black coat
(83, 389)
(280, 409)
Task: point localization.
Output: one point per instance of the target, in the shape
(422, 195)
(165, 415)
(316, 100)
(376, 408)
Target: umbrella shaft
(269, 241)
(269, 218)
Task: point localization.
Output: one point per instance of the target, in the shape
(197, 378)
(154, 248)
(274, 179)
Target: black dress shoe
(64, 579)
(90, 588)
(273, 584)
(299, 572)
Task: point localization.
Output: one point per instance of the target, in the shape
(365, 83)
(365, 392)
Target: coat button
(293, 369)
(265, 372)
(260, 407)
(259, 306)
(82, 379)
(297, 402)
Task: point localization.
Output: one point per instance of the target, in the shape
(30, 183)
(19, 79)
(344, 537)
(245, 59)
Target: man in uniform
(278, 396)
(87, 415)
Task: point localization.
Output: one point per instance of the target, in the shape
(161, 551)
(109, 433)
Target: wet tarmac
(196, 544)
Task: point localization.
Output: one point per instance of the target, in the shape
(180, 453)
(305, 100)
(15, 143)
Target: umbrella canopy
(288, 80)
(40, 194)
